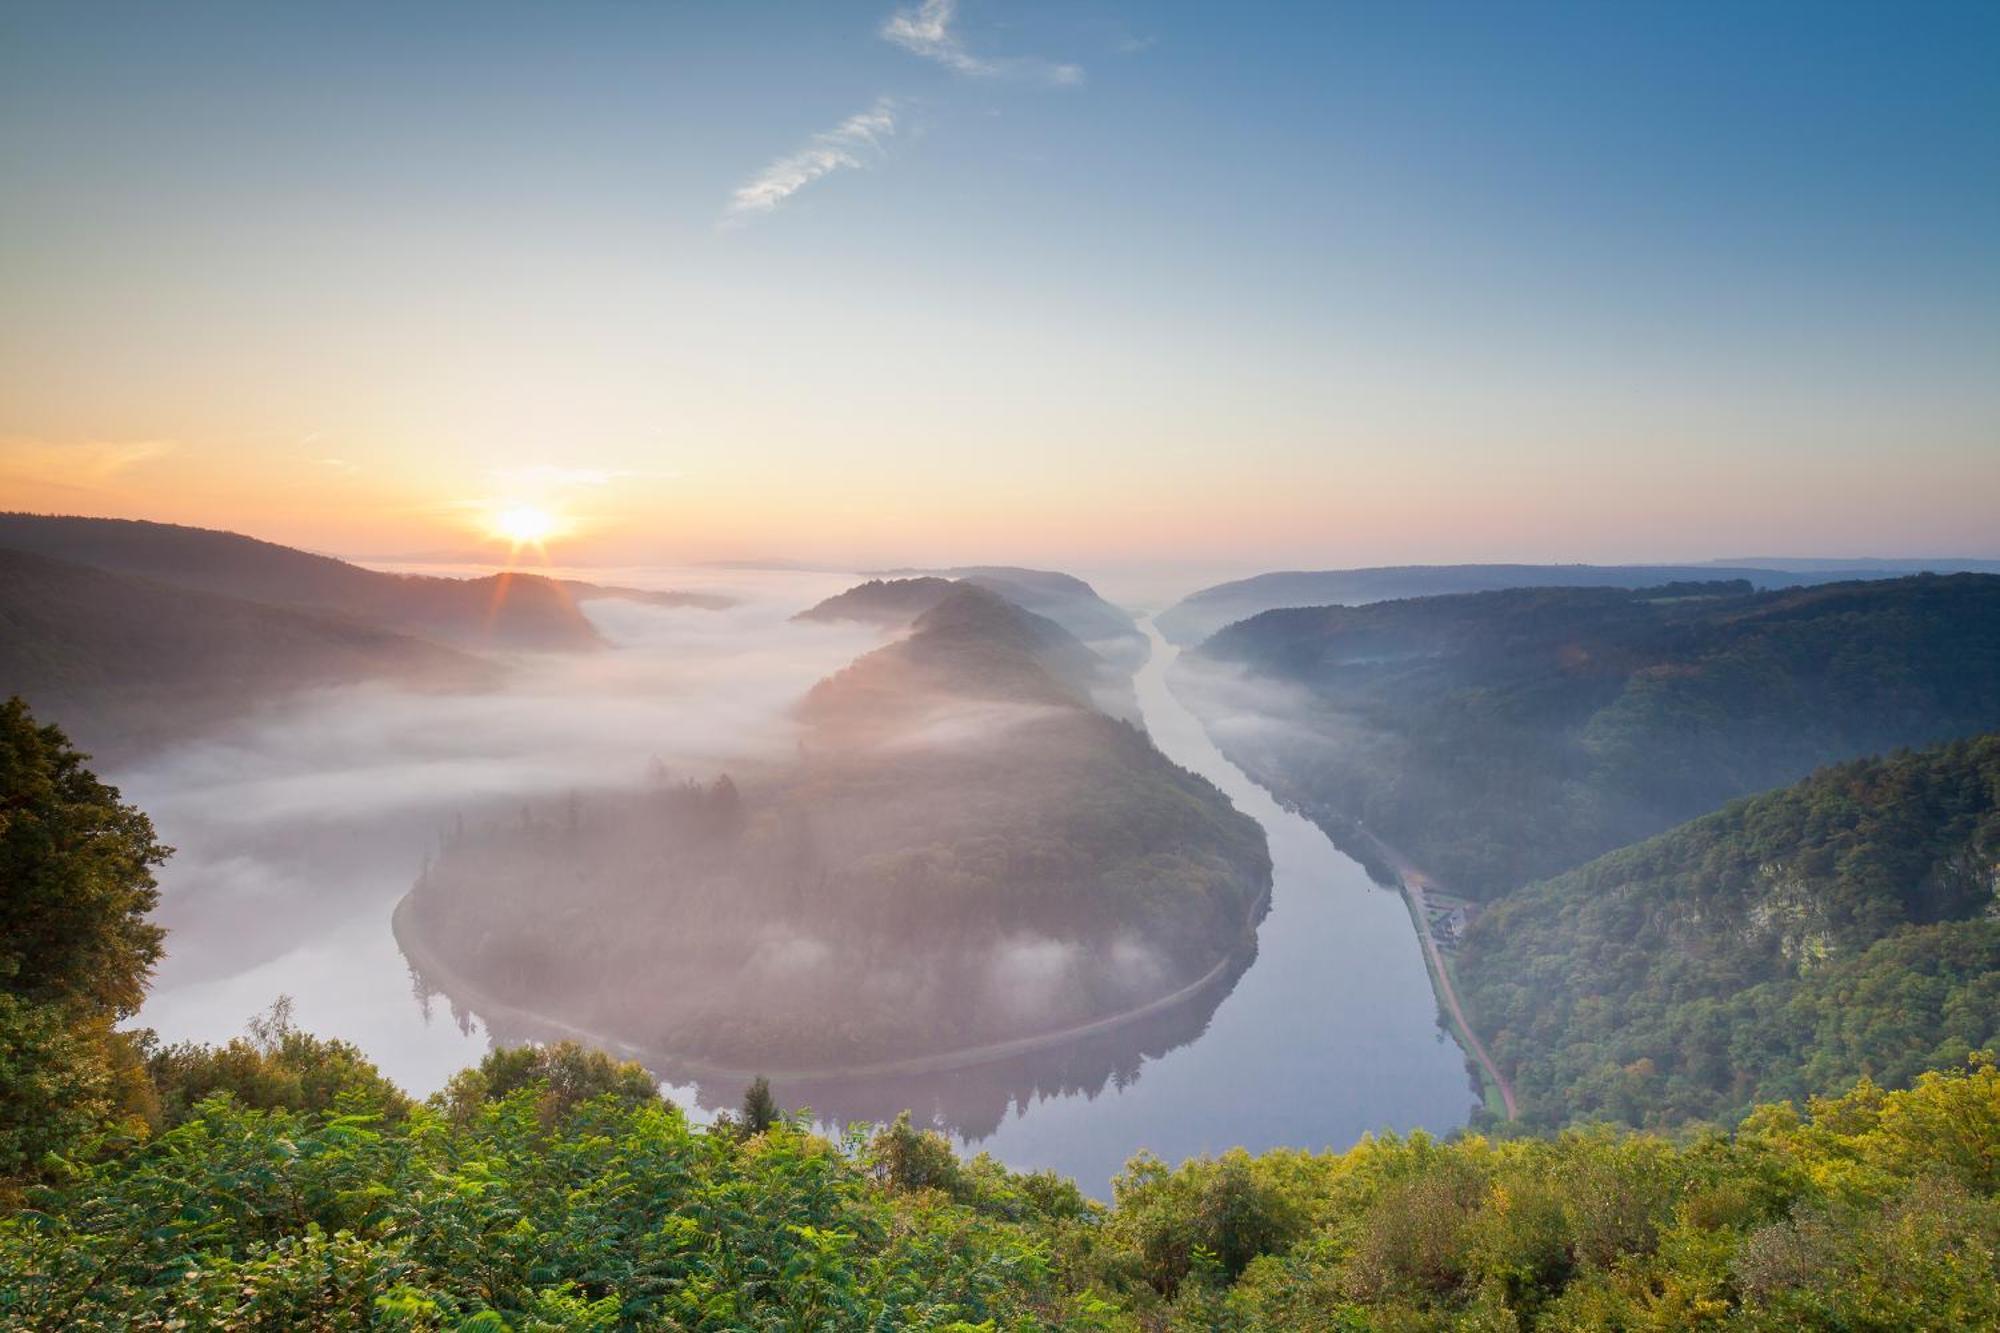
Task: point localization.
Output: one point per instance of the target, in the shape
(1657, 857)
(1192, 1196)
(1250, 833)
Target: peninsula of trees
(965, 855)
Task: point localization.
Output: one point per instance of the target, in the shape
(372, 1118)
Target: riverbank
(448, 981)
(1416, 885)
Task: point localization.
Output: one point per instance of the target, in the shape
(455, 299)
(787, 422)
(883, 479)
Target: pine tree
(760, 1112)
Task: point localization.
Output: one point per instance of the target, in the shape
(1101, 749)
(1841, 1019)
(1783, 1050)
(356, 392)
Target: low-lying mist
(299, 825)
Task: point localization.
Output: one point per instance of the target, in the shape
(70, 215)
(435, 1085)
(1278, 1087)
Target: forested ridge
(1847, 925)
(1499, 738)
(129, 663)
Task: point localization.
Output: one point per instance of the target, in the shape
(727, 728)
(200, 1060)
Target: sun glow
(525, 525)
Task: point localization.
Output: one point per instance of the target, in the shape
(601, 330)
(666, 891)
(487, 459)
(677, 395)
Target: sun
(525, 525)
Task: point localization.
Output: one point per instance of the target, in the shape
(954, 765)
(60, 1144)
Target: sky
(1107, 284)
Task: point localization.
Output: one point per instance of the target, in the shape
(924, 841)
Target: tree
(78, 866)
(76, 947)
(760, 1112)
(567, 1075)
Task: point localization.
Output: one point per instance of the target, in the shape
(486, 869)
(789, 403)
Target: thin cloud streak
(926, 31)
(850, 145)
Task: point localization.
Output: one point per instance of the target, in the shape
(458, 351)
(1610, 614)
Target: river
(296, 845)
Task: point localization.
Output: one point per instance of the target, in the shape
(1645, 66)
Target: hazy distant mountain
(1793, 941)
(1063, 598)
(502, 610)
(122, 663)
(896, 603)
(964, 853)
(1865, 565)
(1501, 737)
(890, 603)
(1201, 614)
(672, 597)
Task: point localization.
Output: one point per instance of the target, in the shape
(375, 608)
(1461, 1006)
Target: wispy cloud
(925, 30)
(94, 461)
(850, 145)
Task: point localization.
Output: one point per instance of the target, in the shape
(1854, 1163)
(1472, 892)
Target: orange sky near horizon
(1316, 291)
(1262, 510)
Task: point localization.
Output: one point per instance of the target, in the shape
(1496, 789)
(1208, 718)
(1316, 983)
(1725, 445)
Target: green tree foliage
(1844, 926)
(562, 1076)
(276, 1067)
(76, 947)
(1874, 1209)
(760, 1110)
(1499, 738)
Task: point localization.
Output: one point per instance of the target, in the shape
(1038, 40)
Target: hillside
(1063, 598)
(501, 610)
(1499, 738)
(964, 853)
(124, 663)
(1844, 926)
(900, 603)
(890, 603)
(1201, 614)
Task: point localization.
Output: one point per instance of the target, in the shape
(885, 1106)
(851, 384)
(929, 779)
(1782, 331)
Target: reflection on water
(972, 1101)
(288, 879)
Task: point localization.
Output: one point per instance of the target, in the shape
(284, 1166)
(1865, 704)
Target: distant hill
(1868, 565)
(897, 603)
(964, 856)
(502, 610)
(122, 663)
(1063, 598)
(890, 603)
(1498, 738)
(1201, 614)
(1844, 926)
(671, 597)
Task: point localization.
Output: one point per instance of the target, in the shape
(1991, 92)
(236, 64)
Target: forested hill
(891, 603)
(1845, 926)
(1063, 598)
(123, 663)
(1202, 613)
(501, 610)
(1498, 738)
(1014, 646)
(965, 852)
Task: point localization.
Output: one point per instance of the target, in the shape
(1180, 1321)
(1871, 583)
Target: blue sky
(1277, 283)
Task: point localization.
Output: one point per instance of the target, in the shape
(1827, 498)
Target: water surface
(298, 836)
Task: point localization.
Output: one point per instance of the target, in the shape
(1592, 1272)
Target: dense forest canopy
(965, 852)
(553, 1190)
(1501, 737)
(1844, 926)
